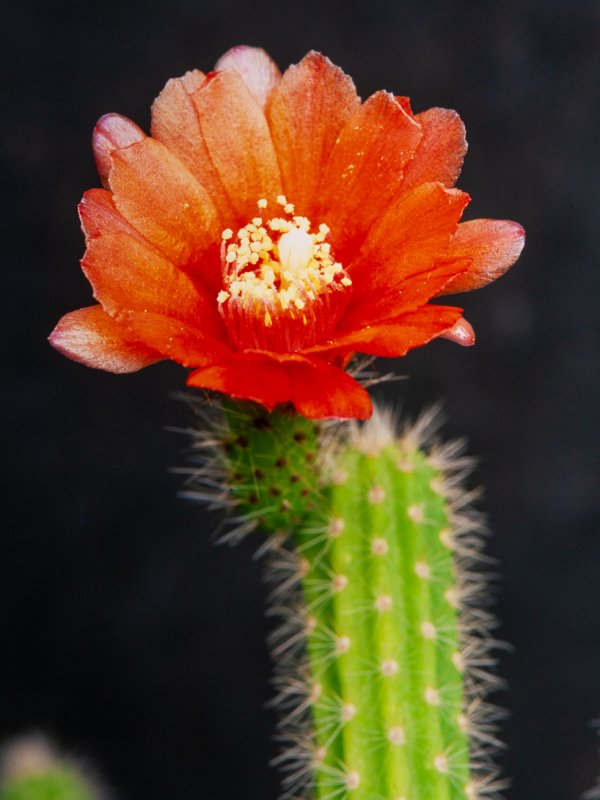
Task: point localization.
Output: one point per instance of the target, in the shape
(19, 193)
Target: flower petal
(127, 273)
(112, 132)
(394, 337)
(256, 68)
(316, 389)
(399, 297)
(247, 376)
(175, 123)
(94, 339)
(98, 215)
(306, 112)
(157, 194)
(320, 391)
(461, 333)
(491, 245)
(372, 150)
(183, 342)
(404, 254)
(442, 150)
(239, 142)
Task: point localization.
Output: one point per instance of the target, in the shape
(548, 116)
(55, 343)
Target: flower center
(282, 288)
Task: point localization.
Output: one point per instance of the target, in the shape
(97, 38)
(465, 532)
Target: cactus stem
(383, 651)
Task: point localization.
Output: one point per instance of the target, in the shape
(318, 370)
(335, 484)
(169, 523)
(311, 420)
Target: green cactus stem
(382, 654)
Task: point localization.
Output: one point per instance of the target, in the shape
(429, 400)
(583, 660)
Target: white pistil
(295, 250)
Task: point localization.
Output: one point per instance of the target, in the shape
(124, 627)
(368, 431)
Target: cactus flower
(273, 225)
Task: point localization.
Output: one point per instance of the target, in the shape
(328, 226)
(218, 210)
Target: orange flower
(273, 225)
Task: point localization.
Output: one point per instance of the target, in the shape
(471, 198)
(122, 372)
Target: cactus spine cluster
(381, 655)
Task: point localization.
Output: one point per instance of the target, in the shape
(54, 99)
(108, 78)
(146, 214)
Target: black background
(125, 633)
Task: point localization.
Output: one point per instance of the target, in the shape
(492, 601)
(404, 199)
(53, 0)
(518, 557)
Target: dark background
(125, 633)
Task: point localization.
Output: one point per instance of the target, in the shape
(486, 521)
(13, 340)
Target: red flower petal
(247, 376)
(492, 245)
(183, 342)
(155, 192)
(410, 238)
(442, 150)
(306, 112)
(175, 123)
(395, 337)
(126, 273)
(316, 389)
(239, 142)
(398, 298)
(320, 390)
(366, 168)
(91, 337)
(257, 69)
(111, 133)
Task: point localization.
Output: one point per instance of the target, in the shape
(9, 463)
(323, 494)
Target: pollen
(282, 287)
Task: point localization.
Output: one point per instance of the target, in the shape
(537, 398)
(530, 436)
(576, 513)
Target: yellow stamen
(272, 270)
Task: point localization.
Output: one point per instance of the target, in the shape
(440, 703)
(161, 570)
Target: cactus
(382, 654)
(32, 770)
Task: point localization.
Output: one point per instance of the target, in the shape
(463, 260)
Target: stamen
(282, 288)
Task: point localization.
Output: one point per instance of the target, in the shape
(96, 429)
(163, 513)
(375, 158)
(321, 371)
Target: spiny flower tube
(273, 225)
